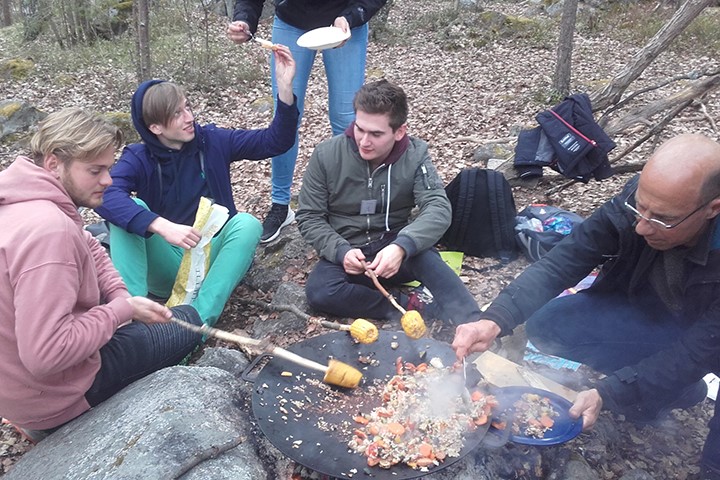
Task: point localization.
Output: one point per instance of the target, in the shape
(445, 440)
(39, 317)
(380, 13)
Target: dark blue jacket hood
(156, 148)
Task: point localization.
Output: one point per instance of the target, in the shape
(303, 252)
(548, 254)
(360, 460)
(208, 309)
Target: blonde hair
(73, 134)
(160, 103)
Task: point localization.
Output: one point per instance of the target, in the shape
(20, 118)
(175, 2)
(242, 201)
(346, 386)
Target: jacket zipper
(573, 129)
(423, 168)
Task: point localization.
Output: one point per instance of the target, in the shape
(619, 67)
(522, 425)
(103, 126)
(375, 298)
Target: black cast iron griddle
(311, 422)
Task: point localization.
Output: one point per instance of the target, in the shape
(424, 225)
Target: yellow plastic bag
(209, 219)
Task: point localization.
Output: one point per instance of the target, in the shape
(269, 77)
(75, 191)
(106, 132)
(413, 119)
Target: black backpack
(551, 225)
(484, 212)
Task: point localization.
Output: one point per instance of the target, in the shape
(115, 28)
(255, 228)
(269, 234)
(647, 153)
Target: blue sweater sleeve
(268, 142)
(129, 175)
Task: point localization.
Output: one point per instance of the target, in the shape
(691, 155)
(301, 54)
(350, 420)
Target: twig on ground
(211, 452)
(278, 308)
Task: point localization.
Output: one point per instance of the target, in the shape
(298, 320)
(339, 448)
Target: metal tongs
(465, 393)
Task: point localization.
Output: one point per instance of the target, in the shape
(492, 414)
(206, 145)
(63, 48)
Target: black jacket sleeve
(248, 11)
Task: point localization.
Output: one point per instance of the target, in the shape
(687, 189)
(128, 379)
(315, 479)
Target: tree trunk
(6, 13)
(663, 38)
(561, 81)
(142, 29)
(643, 114)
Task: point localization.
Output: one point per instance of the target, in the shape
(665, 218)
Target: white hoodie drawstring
(387, 210)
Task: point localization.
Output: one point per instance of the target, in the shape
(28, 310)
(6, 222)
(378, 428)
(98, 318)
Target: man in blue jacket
(651, 320)
(179, 162)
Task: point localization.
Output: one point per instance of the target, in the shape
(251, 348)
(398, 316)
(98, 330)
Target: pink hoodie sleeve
(60, 321)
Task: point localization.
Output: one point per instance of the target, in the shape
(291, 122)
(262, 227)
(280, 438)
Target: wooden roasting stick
(412, 322)
(361, 330)
(336, 372)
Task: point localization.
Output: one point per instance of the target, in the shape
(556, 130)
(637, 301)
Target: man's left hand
(284, 72)
(587, 405)
(387, 261)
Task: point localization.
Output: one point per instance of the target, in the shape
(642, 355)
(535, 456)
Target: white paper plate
(323, 38)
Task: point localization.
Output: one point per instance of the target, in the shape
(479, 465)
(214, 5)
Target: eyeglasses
(655, 221)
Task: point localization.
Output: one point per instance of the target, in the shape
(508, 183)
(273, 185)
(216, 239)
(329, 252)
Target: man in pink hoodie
(67, 336)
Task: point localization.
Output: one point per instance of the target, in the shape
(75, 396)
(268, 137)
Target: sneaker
(690, 397)
(421, 299)
(278, 217)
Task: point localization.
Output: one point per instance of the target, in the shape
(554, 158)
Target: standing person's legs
(345, 71)
(329, 289)
(283, 166)
(137, 350)
(146, 265)
(455, 303)
(231, 254)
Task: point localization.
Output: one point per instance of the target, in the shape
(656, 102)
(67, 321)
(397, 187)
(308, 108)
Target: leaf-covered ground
(467, 83)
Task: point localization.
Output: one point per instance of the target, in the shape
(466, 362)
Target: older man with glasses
(651, 320)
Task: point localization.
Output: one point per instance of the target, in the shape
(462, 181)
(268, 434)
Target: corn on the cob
(363, 331)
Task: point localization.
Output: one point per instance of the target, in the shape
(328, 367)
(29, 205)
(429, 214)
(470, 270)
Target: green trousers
(150, 265)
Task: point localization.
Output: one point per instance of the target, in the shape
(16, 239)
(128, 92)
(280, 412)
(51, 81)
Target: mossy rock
(16, 68)
(17, 116)
(262, 104)
(123, 121)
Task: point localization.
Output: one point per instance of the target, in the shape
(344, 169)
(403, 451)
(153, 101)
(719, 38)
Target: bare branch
(659, 43)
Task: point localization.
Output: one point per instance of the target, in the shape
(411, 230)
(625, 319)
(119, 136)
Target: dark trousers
(330, 289)
(137, 350)
(607, 332)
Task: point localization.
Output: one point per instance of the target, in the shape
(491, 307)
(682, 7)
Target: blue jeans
(330, 289)
(150, 265)
(137, 350)
(345, 72)
(607, 332)
(603, 330)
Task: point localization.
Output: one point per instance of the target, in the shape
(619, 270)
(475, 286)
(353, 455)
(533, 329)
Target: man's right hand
(354, 262)
(148, 311)
(177, 234)
(474, 337)
(238, 32)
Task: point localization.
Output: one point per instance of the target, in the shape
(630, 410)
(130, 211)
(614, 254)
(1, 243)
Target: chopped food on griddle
(422, 420)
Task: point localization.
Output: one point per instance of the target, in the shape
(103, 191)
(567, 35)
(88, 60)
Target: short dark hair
(383, 97)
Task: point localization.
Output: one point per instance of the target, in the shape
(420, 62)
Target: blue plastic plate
(564, 429)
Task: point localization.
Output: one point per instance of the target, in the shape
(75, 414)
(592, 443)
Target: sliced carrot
(498, 424)
(421, 367)
(546, 421)
(373, 429)
(385, 413)
(476, 396)
(395, 428)
(424, 462)
(361, 419)
(481, 420)
(426, 450)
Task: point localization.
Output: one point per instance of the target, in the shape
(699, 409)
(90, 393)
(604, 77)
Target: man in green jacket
(355, 206)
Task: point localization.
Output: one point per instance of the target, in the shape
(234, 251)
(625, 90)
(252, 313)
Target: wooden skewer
(412, 322)
(385, 292)
(336, 373)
